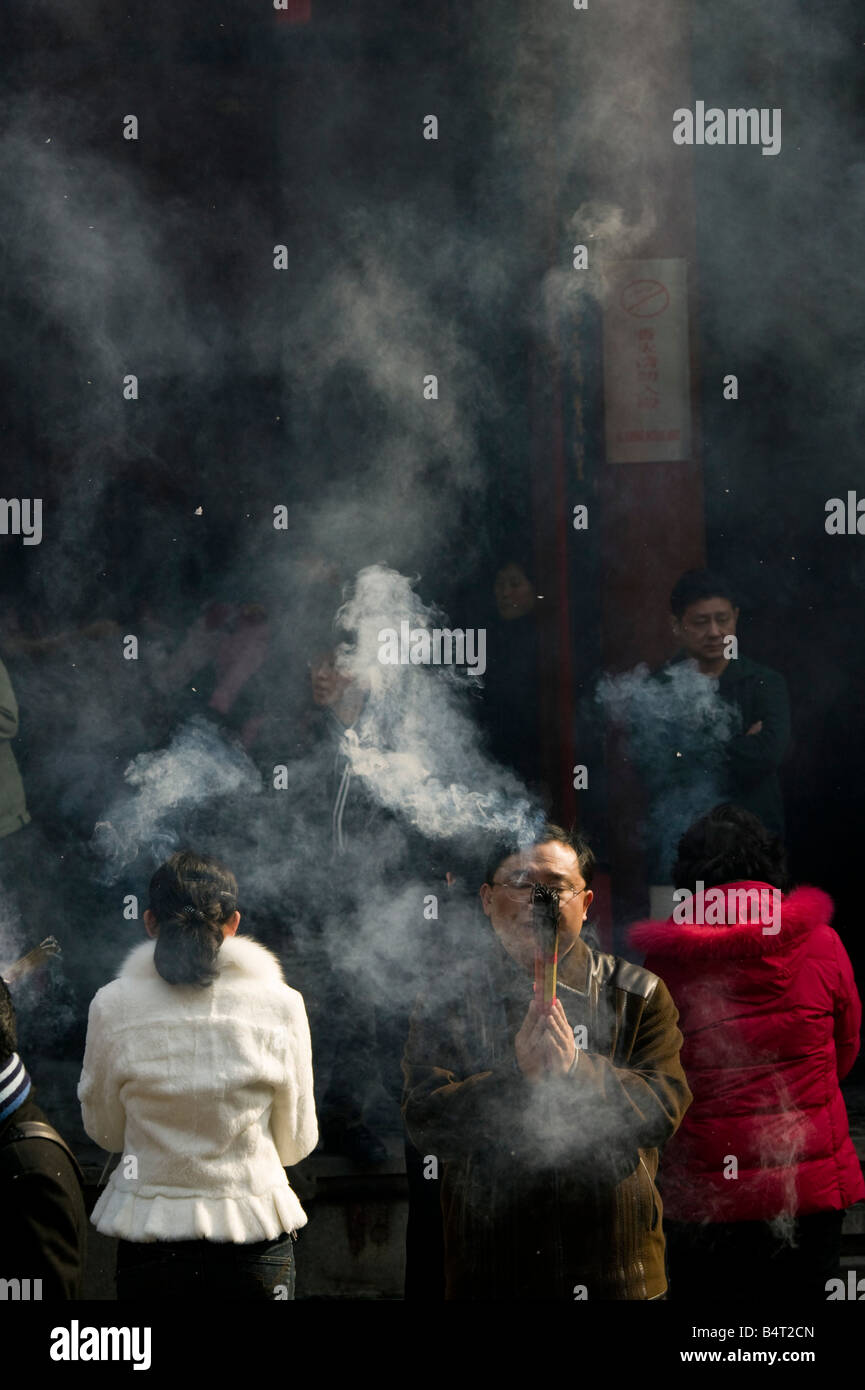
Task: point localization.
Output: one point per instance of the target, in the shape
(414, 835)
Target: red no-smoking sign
(645, 299)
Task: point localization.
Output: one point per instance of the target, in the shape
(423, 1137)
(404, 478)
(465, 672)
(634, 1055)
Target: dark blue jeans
(162, 1270)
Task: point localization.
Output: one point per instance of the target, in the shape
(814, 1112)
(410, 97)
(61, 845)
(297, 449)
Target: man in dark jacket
(43, 1221)
(722, 731)
(546, 1122)
(704, 621)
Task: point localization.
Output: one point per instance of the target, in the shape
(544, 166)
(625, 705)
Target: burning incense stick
(545, 920)
(33, 959)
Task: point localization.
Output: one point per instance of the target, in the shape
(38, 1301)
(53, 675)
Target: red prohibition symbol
(645, 299)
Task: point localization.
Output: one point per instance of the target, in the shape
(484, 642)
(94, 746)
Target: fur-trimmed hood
(770, 1024)
(240, 954)
(802, 911)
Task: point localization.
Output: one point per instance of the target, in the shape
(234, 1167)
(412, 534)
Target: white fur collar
(237, 953)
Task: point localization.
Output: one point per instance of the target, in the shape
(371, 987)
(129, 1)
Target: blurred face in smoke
(515, 594)
(702, 629)
(507, 901)
(335, 689)
(328, 682)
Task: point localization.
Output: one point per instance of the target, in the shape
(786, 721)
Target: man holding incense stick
(545, 1094)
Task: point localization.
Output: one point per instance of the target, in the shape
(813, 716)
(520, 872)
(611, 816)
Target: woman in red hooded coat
(756, 1180)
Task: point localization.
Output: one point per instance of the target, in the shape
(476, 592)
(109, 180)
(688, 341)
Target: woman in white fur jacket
(198, 1070)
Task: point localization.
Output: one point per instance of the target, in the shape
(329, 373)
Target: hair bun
(187, 895)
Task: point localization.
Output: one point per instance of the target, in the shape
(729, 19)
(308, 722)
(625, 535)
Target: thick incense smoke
(418, 749)
(198, 768)
(677, 729)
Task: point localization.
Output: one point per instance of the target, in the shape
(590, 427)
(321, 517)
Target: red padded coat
(770, 1016)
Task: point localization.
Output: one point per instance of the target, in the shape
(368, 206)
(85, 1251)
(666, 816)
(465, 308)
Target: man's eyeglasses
(519, 886)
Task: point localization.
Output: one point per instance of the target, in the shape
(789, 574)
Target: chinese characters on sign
(646, 376)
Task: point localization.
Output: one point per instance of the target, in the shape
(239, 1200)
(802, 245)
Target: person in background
(341, 817)
(514, 591)
(757, 1179)
(13, 803)
(511, 709)
(43, 1222)
(339, 699)
(269, 710)
(718, 731)
(545, 1122)
(704, 617)
(30, 861)
(198, 1070)
(220, 653)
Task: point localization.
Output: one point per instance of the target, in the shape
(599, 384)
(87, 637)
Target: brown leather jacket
(548, 1190)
